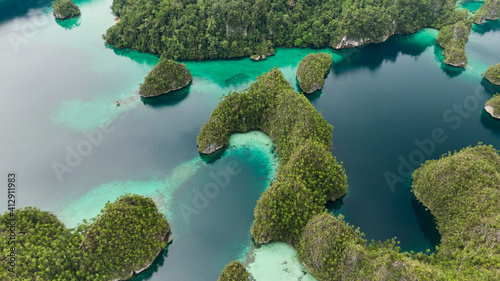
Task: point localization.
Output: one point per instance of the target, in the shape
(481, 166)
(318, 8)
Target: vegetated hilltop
(493, 106)
(312, 70)
(492, 74)
(308, 176)
(234, 271)
(462, 191)
(453, 39)
(197, 30)
(64, 9)
(165, 77)
(125, 238)
(490, 10)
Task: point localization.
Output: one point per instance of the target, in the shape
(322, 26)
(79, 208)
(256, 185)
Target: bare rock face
(491, 111)
(212, 148)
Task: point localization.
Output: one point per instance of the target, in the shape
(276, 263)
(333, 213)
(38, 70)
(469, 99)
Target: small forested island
(312, 70)
(492, 74)
(124, 239)
(462, 190)
(198, 30)
(493, 106)
(490, 10)
(165, 77)
(453, 39)
(234, 271)
(65, 9)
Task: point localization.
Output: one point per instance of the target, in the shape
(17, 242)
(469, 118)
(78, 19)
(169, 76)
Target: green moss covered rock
(64, 9)
(125, 238)
(493, 74)
(493, 106)
(234, 271)
(165, 77)
(312, 71)
(453, 39)
(490, 10)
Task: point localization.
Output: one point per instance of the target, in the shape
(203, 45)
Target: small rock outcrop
(493, 106)
(490, 10)
(212, 148)
(165, 77)
(312, 70)
(65, 9)
(263, 52)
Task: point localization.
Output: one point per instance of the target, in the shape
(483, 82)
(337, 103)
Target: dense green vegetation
(312, 70)
(333, 250)
(308, 176)
(490, 10)
(462, 190)
(64, 9)
(166, 76)
(234, 271)
(494, 103)
(125, 237)
(453, 39)
(197, 30)
(493, 74)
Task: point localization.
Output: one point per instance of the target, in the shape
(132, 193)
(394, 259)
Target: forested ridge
(210, 29)
(125, 237)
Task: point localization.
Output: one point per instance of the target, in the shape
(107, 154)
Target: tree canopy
(493, 74)
(126, 237)
(312, 70)
(64, 9)
(234, 271)
(209, 29)
(165, 77)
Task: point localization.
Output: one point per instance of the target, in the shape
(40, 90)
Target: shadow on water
(157, 263)
(334, 206)
(10, 9)
(372, 56)
(490, 123)
(426, 223)
(169, 99)
(488, 26)
(69, 23)
(451, 71)
(140, 57)
(490, 87)
(211, 158)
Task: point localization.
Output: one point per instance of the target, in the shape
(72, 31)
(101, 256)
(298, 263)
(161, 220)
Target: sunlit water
(74, 149)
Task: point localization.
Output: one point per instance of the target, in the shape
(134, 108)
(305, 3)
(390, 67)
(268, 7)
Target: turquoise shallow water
(59, 83)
